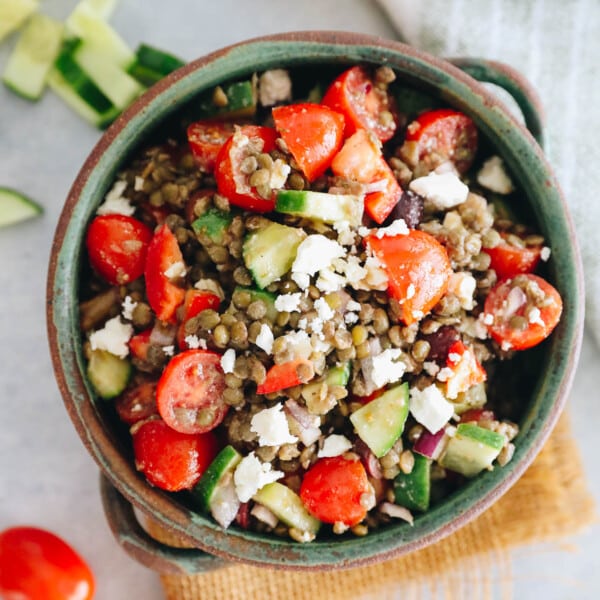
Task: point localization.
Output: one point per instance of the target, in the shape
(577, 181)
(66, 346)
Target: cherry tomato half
(363, 104)
(171, 460)
(117, 246)
(35, 564)
(190, 392)
(518, 322)
(312, 133)
(333, 489)
(137, 403)
(163, 253)
(194, 303)
(231, 181)
(443, 135)
(205, 139)
(509, 259)
(418, 270)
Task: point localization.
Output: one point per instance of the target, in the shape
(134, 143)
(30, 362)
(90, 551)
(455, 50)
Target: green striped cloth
(556, 45)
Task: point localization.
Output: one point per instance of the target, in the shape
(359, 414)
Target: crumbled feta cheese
(299, 342)
(193, 342)
(376, 278)
(431, 368)
(505, 346)
(319, 344)
(444, 190)
(316, 325)
(383, 368)
(302, 323)
(334, 445)
(302, 280)
(323, 309)
(210, 285)
(430, 408)
(488, 318)
(494, 177)
(545, 253)
(454, 357)
(168, 350)
(274, 86)
(355, 273)
(251, 475)
(328, 281)
(350, 318)
(346, 236)
(397, 227)
(127, 308)
(353, 305)
(535, 316)
(228, 361)
(363, 231)
(176, 270)
(264, 339)
(444, 374)
(279, 174)
(288, 302)
(138, 184)
(316, 252)
(463, 285)
(113, 337)
(271, 426)
(115, 203)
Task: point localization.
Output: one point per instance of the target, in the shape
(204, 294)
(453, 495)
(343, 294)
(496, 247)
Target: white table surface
(46, 476)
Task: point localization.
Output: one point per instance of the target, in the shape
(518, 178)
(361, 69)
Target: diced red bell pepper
(283, 376)
(466, 370)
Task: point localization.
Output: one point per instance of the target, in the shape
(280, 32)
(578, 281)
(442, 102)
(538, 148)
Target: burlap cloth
(549, 502)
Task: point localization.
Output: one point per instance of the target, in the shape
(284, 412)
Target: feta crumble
(210, 285)
(228, 361)
(545, 253)
(176, 270)
(279, 174)
(430, 408)
(271, 426)
(463, 285)
(274, 86)
(535, 316)
(193, 342)
(383, 368)
(443, 190)
(264, 339)
(323, 309)
(494, 177)
(334, 445)
(251, 475)
(316, 252)
(168, 350)
(127, 307)
(115, 203)
(397, 227)
(113, 337)
(288, 302)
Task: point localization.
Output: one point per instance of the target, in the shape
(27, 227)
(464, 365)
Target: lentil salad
(306, 304)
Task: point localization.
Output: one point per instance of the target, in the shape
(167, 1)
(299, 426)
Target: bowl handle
(145, 549)
(513, 82)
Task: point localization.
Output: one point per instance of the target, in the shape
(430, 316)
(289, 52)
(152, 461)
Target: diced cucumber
(87, 25)
(329, 208)
(215, 491)
(286, 505)
(311, 392)
(32, 57)
(119, 87)
(471, 449)
(108, 373)
(381, 422)
(213, 224)
(62, 88)
(266, 297)
(151, 65)
(241, 101)
(16, 207)
(13, 14)
(474, 397)
(101, 8)
(412, 490)
(270, 252)
(339, 375)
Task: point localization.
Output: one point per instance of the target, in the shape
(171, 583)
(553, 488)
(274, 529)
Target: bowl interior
(541, 381)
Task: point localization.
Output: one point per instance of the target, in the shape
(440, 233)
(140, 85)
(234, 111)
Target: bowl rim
(62, 322)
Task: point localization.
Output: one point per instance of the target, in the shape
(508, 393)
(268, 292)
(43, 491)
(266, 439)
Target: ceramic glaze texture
(529, 168)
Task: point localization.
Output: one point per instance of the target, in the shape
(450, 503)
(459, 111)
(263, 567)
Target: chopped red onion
(429, 443)
(368, 459)
(396, 511)
(262, 513)
(163, 335)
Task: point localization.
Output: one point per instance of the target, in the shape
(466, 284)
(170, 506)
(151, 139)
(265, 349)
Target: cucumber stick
(108, 373)
(13, 14)
(329, 208)
(151, 64)
(32, 57)
(16, 207)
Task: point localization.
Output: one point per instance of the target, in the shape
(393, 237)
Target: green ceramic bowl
(548, 381)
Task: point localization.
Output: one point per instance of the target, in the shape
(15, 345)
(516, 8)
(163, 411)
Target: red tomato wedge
(194, 303)
(363, 104)
(333, 489)
(444, 135)
(117, 247)
(508, 299)
(509, 260)
(137, 403)
(35, 564)
(360, 159)
(231, 182)
(205, 139)
(313, 134)
(163, 254)
(190, 390)
(169, 459)
(138, 344)
(418, 269)
(466, 370)
(283, 376)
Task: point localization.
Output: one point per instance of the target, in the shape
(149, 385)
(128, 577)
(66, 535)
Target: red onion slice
(396, 511)
(429, 443)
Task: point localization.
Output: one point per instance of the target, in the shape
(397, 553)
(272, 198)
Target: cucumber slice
(32, 57)
(413, 490)
(471, 449)
(87, 25)
(329, 208)
(151, 64)
(213, 224)
(108, 373)
(16, 207)
(270, 252)
(13, 14)
(119, 87)
(339, 375)
(474, 397)
(266, 297)
(381, 422)
(63, 89)
(286, 505)
(241, 101)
